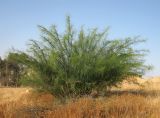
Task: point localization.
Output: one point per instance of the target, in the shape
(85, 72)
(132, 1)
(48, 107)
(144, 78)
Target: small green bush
(77, 63)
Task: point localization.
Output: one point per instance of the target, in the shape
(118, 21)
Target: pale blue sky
(19, 20)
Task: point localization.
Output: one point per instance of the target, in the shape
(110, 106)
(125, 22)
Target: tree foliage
(10, 71)
(77, 63)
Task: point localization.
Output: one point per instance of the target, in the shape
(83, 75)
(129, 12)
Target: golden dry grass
(12, 94)
(122, 106)
(122, 102)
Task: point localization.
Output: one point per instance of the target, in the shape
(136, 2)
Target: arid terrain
(136, 98)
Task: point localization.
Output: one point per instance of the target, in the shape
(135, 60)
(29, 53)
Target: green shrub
(33, 82)
(77, 63)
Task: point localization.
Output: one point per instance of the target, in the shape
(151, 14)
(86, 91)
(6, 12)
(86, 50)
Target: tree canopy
(77, 63)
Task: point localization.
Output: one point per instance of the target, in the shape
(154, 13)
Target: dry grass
(120, 103)
(124, 106)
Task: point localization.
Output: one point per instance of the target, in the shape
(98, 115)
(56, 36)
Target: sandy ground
(12, 94)
(150, 83)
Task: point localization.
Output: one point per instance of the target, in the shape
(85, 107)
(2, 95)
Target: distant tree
(77, 63)
(9, 71)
